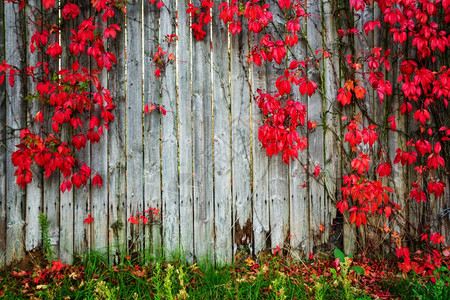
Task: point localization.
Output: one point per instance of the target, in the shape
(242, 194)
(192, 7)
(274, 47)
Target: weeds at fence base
(263, 277)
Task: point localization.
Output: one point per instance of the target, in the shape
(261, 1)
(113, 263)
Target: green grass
(144, 278)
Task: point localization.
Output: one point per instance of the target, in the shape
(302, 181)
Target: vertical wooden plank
(33, 189)
(202, 146)
(260, 166)
(222, 138)
(99, 164)
(298, 177)
(2, 143)
(81, 196)
(315, 112)
(185, 131)
(278, 170)
(116, 141)
(15, 120)
(152, 134)
(240, 136)
(134, 108)
(66, 199)
(331, 169)
(170, 194)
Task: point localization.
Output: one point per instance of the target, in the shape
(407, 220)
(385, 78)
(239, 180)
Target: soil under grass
(265, 277)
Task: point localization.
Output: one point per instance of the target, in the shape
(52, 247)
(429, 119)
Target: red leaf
(48, 4)
(89, 219)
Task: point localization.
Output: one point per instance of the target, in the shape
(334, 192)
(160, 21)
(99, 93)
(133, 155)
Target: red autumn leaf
(358, 4)
(344, 97)
(369, 135)
(417, 194)
(391, 120)
(436, 188)
(422, 115)
(97, 180)
(361, 163)
(89, 219)
(360, 92)
(384, 169)
(316, 170)
(48, 4)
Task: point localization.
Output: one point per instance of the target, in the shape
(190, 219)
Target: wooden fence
(202, 164)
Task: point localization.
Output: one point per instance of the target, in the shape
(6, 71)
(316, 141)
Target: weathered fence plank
(82, 199)
(260, 166)
(66, 246)
(331, 169)
(117, 212)
(223, 200)
(315, 139)
(99, 164)
(4, 155)
(240, 141)
(15, 120)
(34, 189)
(185, 131)
(299, 197)
(278, 170)
(134, 130)
(170, 194)
(202, 147)
(152, 129)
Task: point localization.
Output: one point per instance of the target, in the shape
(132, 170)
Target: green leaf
(358, 270)
(339, 254)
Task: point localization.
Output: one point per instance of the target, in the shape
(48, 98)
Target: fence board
(260, 166)
(152, 130)
(15, 120)
(240, 136)
(134, 130)
(331, 168)
(222, 139)
(99, 151)
(315, 139)
(278, 170)
(116, 140)
(299, 197)
(82, 199)
(185, 131)
(3, 153)
(34, 189)
(170, 194)
(66, 245)
(202, 147)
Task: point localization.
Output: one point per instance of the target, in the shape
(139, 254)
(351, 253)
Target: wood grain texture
(185, 132)
(134, 129)
(170, 192)
(116, 142)
(34, 189)
(299, 198)
(99, 163)
(222, 142)
(3, 152)
(331, 175)
(82, 198)
(202, 147)
(66, 205)
(278, 170)
(240, 136)
(15, 121)
(260, 164)
(316, 138)
(152, 129)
